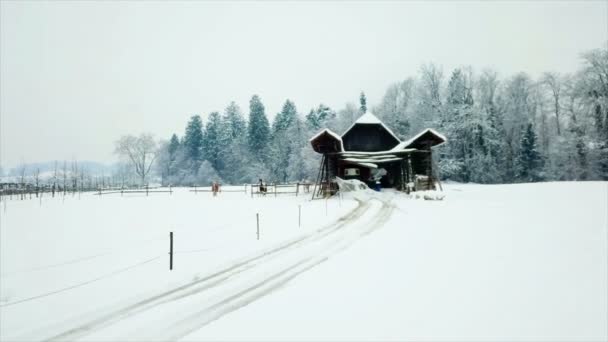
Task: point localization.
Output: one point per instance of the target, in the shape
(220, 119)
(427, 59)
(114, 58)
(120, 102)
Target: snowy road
(191, 306)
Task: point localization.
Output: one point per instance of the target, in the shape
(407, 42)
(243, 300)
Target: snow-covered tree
(258, 134)
(530, 161)
(139, 151)
(193, 142)
(362, 103)
(213, 142)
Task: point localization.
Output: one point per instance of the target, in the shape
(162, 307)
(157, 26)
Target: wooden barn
(370, 152)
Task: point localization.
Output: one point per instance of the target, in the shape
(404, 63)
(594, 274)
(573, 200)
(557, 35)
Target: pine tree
(258, 133)
(312, 121)
(282, 146)
(172, 150)
(212, 144)
(193, 142)
(529, 161)
(285, 118)
(363, 103)
(234, 119)
(319, 118)
(173, 145)
(233, 145)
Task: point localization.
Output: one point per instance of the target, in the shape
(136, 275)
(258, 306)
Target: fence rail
(272, 189)
(228, 189)
(137, 190)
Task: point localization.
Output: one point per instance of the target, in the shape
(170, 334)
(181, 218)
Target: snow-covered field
(503, 262)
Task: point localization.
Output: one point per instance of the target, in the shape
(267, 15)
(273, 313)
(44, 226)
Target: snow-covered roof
(328, 131)
(408, 142)
(370, 119)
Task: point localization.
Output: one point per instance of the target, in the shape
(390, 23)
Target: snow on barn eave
(410, 141)
(370, 119)
(332, 134)
(328, 131)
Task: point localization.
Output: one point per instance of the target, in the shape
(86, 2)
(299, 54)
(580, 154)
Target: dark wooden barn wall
(420, 163)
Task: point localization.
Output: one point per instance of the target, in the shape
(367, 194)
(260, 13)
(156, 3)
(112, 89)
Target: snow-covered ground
(503, 262)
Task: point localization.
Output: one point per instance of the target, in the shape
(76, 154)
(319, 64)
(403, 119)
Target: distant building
(371, 152)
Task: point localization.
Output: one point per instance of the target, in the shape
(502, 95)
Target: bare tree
(140, 151)
(22, 172)
(74, 176)
(37, 180)
(54, 179)
(553, 82)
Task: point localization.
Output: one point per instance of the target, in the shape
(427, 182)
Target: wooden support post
(170, 251)
(146, 189)
(170, 191)
(299, 215)
(314, 189)
(297, 188)
(257, 219)
(275, 189)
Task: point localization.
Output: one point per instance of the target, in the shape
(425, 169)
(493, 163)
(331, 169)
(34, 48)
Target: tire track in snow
(105, 276)
(266, 286)
(213, 280)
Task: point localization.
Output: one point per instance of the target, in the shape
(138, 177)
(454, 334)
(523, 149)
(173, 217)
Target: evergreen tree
(173, 145)
(233, 117)
(529, 161)
(463, 128)
(233, 143)
(213, 143)
(258, 134)
(312, 121)
(319, 118)
(363, 103)
(172, 150)
(193, 142)
(282, 140)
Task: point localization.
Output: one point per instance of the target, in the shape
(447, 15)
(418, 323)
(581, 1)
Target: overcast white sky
(76, 75)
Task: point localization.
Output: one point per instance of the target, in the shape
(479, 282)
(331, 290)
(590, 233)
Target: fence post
(146, 190)
(170, 191)
(195, 189)
(257, 218)
(299, 215)
(170, 251)
(275, 189)
(297, 188)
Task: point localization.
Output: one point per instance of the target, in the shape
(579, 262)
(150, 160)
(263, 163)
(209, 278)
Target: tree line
(514, 129)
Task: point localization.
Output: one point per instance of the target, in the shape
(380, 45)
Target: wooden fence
(275, 189)
(222, 189)
(137, 190)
